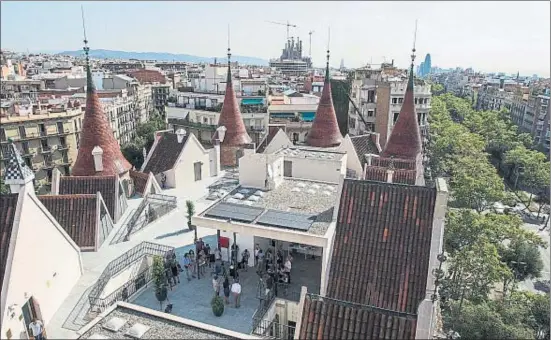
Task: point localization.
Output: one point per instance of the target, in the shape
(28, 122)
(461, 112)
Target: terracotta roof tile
(230, 117)
(326, 318)
(325, 128)
(8, 204)
(382, 245)
(397, 163)
(97, 131)
(405, 138)
(80, 185)
(147, 76)
(166, 153)
(404, 176)
(140, 181)
(77, 214)
(376, 173)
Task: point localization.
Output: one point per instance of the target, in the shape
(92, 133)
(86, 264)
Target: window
(205, 120)
(44, 143)
(62, 141)
(400, 100)
(28, 162)
(395, 117)
(394, 100)
(418, 100)
(42, 129)
(371, 113)
(371, 96)
(25, 146)
(59, 127)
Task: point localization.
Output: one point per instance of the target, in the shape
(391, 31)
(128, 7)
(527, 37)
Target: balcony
(26, 153)
(43, 134)
(61, 147)
(66, 161)
(48, 165)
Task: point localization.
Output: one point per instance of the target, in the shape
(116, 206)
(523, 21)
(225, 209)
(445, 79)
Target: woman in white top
(287, 268)
(216, 285)
(236, 292)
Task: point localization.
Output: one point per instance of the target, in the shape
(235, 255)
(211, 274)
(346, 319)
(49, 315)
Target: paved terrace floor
(191, 299)
(170, 230)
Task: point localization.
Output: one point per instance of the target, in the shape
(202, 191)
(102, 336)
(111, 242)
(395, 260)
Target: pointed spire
(325, 128)
(405, 139)
(17, 172)
(97, 132)
(230, 117)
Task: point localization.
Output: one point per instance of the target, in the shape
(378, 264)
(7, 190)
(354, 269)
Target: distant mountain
(163, 56)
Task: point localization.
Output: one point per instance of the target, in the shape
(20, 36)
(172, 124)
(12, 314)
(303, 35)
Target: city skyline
(372, 31)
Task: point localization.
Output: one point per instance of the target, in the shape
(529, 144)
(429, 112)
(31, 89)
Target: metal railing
(124, 261)
(274, 330)
(127, 290)
(278, 290)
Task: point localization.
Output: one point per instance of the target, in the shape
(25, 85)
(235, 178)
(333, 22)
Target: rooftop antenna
(414, 41)
(310, 49)
(229, 49)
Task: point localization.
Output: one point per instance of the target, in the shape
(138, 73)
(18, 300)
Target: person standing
(37, 329)
(216, 285)
(187, 264)
(287, 268)
(226, 286)
(174, 268)
(208, 255)
(245, 259)
(256, 249)
(236, 292)
(260, 262)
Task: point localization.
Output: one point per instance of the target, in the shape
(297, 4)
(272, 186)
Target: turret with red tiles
(401, 161)
(99, 152)
(325, 131)
(235, 137)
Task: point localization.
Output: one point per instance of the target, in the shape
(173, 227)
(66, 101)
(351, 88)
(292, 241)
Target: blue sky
(490, 36)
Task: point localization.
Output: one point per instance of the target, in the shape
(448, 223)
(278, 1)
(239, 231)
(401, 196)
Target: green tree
(532, 168)
(475, 183)
(4, 188)
(133, 152)
(437, 89)
(482, 321)
(524, 261)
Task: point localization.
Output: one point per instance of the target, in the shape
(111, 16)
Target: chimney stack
(389, 175)
(221, 133)
(97, 154)
(180, 133)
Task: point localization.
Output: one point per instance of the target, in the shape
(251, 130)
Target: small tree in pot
(190, 210)
(217, 305)
(159, 279)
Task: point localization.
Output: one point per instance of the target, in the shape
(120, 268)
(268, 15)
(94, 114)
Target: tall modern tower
(426, 65)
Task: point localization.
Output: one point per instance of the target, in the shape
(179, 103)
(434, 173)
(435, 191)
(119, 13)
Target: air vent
(239, 196)
(232, 200)
(137, 331)
(115, 324)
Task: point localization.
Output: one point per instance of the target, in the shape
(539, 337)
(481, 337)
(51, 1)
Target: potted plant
(159, 279)
(190, 210)
(217, 305)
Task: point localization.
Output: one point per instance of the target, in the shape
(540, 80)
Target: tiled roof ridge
(65, 196)
(386, 183)
(93, 176)
(97, 131)
(315, 297)
(405, 138)
(325, 130)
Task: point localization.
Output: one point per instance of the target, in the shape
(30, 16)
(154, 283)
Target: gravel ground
(160, 328)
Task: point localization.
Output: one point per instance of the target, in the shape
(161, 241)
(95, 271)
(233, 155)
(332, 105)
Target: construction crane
(287, 24)
(310, 49)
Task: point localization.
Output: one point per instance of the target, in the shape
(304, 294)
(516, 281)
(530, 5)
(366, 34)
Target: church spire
(325, 128)
(97, 134)
(405, 139)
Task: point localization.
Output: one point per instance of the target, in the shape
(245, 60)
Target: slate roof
(379, 263)
(8, 204)
(106, 185)
(363, 145)
(77, 214)
(325, 318)
(166, 153)
(272, 132)
(140, 181)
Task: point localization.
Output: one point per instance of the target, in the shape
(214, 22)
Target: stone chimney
(221, 131)
(181, 133)
(389, 175)
(97, 154)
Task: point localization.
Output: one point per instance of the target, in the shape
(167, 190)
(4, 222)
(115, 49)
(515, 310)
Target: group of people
(273, 264)
(219, 284)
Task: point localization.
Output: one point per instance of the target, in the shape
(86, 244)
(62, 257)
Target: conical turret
(325, 128)
(405, 139)
(230, 117)
(97, 132)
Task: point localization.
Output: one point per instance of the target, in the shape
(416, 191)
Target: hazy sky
(488, 36)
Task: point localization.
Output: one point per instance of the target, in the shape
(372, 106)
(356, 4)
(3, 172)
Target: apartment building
(377, 96)
(159, 96)
(46, 139)
(21, 89)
